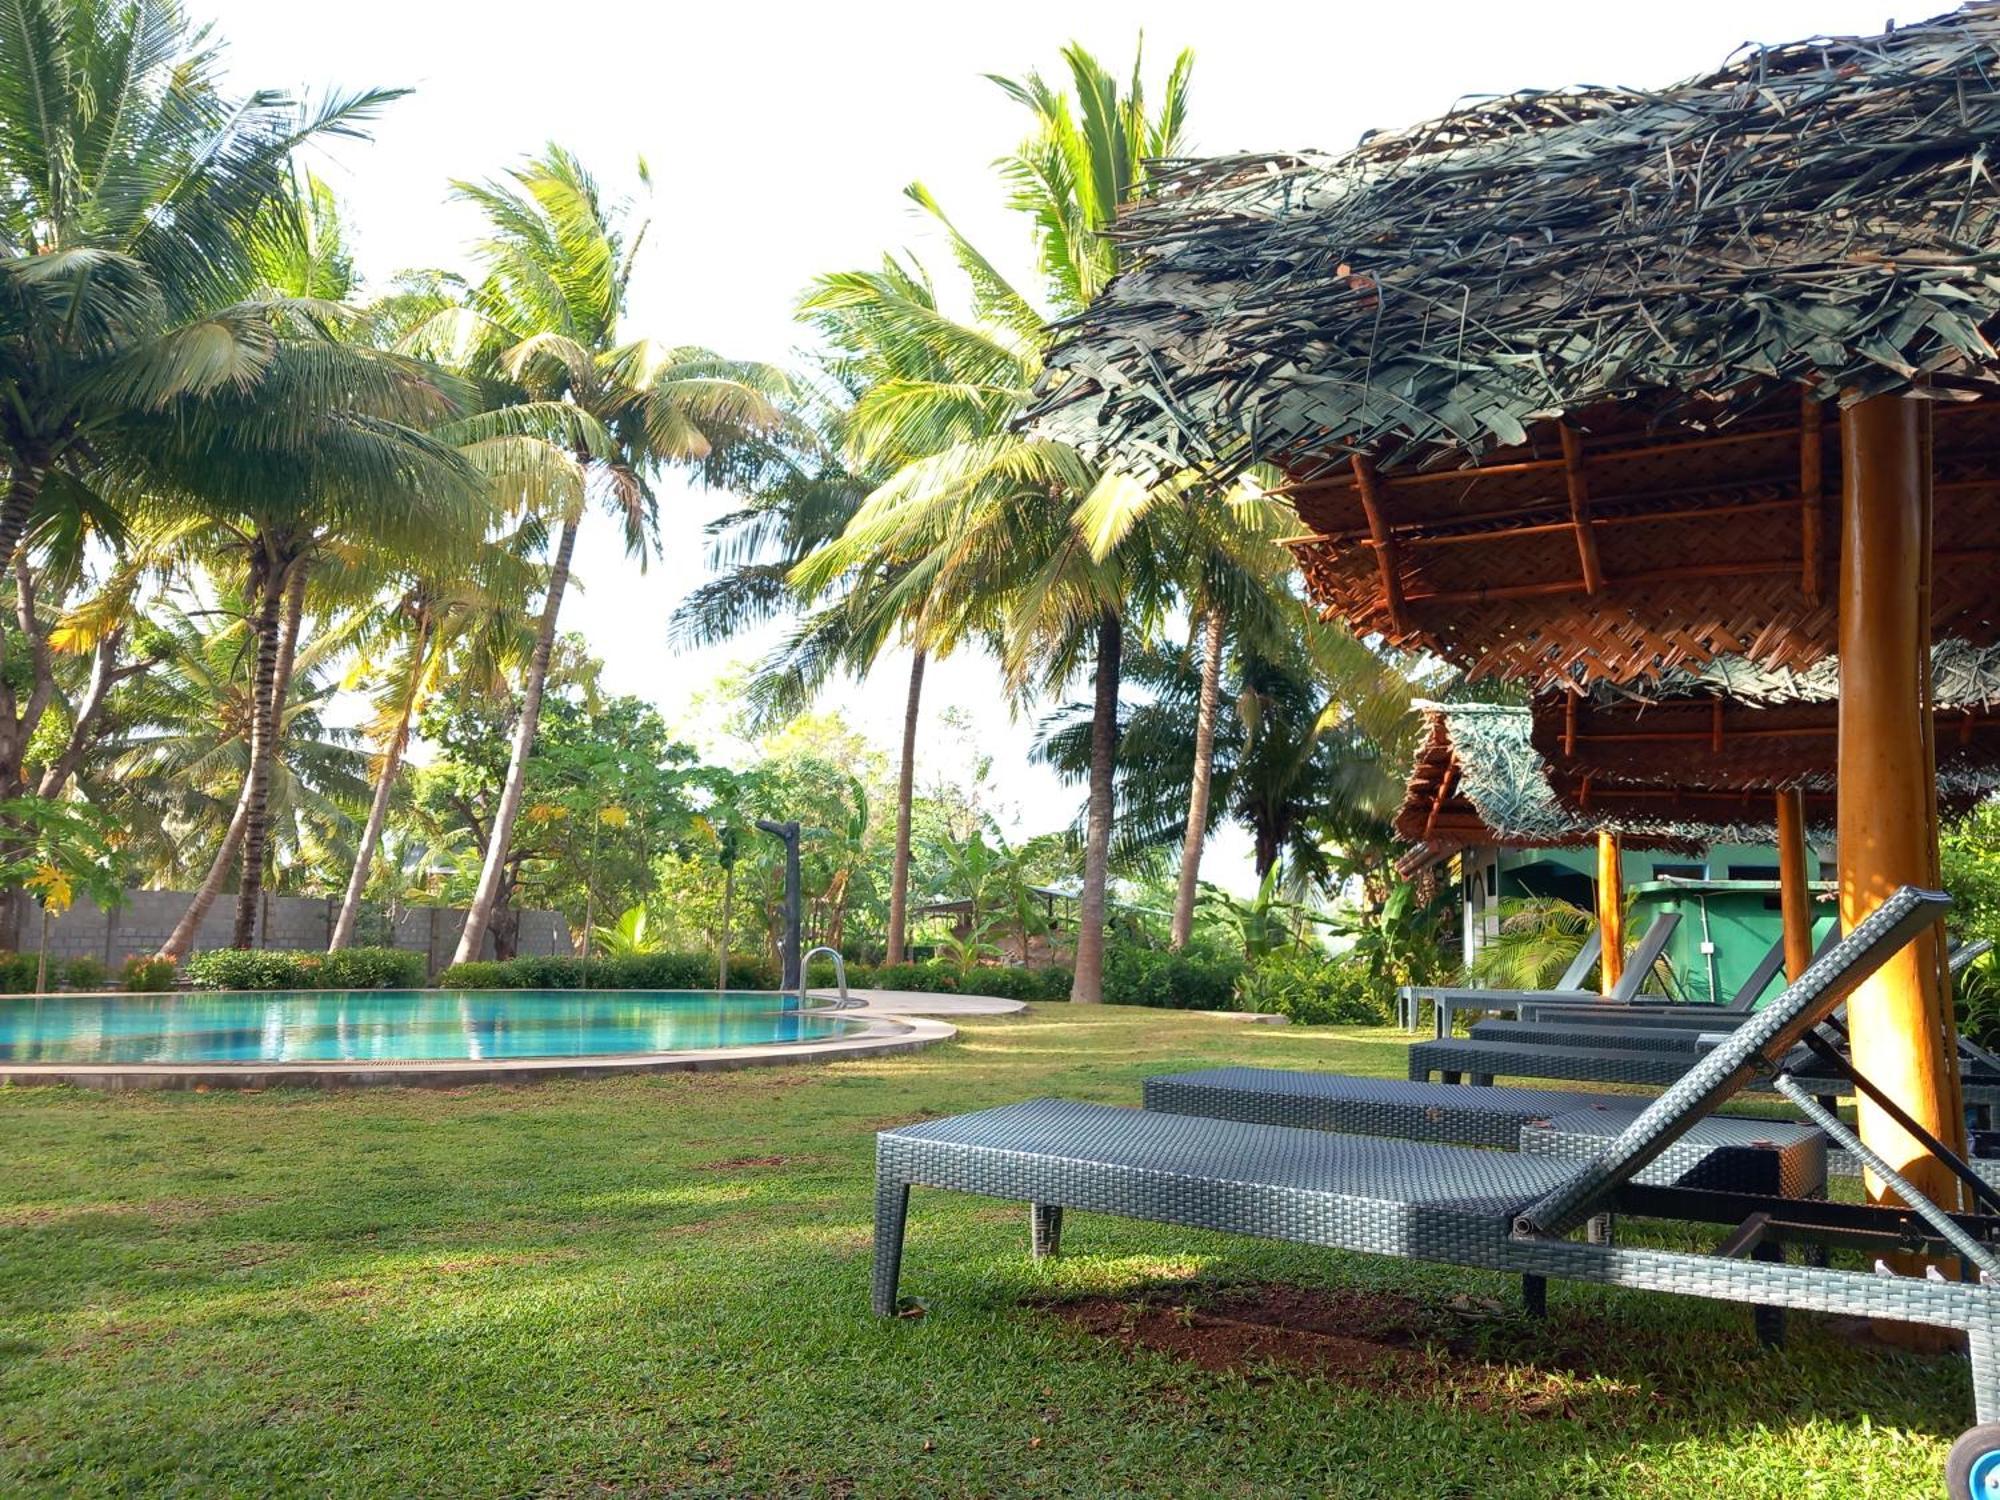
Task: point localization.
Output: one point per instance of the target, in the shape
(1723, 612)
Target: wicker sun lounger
(1732, 1155)
(1480, 1062)
(1449, 1003)
(1599, 1011)
(1509, 1211)
(1700, 1015)
(1410, 998)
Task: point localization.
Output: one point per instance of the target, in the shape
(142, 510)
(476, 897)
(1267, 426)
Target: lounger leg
(1482, 1080)
(1985, 1351)
(1045, 1229)
(1450, 1075)
(1535, 1295)
(892, 1210)
(1600, 1229)
(1443, 1020)
(1768, 1321)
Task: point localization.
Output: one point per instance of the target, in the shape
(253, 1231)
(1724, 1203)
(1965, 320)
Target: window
(1679, 872)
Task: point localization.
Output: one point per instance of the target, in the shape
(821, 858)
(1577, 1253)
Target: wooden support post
(1368, 484)
(1794, 884)
(1887, 805)
(1579, 508)
(1610, 911)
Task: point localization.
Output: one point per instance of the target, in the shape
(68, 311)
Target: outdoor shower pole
(788, 833)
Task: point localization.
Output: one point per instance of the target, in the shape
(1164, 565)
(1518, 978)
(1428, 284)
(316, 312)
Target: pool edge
(886, 1034)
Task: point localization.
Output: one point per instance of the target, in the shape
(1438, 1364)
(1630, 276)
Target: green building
(1726, 896)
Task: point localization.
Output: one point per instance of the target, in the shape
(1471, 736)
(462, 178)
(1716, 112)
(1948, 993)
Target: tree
(173, 759)
(541, 331)
(979, 514)
(1310, 753)
(136, 204)
(443, 628)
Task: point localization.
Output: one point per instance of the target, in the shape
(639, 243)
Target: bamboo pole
(1794, 889)
(1887, 803)
(1610, 911)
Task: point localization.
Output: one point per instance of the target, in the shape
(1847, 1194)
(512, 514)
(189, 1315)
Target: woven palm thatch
(1733, 727)
(1478, 780)
(1819, 212)
(1552, 378)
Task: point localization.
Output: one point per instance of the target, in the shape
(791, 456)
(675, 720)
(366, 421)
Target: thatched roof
(1819, 212)
(1552, 377)
(1478, 780)
(1726, 736)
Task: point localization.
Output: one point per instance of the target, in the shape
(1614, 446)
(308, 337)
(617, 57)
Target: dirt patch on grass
(741, 1163)
(1379, 1341)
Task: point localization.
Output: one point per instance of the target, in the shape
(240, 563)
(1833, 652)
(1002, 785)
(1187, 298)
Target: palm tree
(978, 515)
(329, 448)
(541, 331)
(1310, 754)
(176, 752)
(442, 629)
(136, 200)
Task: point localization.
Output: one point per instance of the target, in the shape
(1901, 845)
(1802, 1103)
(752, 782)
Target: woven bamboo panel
(1702, 551)
(1724, 745)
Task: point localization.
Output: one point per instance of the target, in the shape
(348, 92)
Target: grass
(659, 1285)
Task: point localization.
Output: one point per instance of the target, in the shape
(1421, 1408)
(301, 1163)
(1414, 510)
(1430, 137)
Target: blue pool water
(397, 1025)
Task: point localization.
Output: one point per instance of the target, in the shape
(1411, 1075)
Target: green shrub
(18, 970)
(371, 969)
(250, 969)
(479, 974)
(636, 971)
(1316, 989)
(83, 973)
(660, 971)
(1172, 981)
(750, 971)
(922, 979)
(149, 976)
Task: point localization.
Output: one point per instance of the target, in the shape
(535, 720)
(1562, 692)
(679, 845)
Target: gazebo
(1598, 386)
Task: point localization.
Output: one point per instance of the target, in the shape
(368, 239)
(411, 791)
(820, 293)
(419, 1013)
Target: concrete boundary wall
(296, 923)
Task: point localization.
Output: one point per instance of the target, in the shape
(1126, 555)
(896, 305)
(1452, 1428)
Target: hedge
(1007, 981)
(638, 971)
(18, 972)
(1172, 981)
(271, 969)
(1317, 989)
(149, 976)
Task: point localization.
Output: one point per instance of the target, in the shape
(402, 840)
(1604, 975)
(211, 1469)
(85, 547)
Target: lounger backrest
(1756, 1046)
(1965, 954)
(1760, 979)
(1639, 962)
(1585, 960)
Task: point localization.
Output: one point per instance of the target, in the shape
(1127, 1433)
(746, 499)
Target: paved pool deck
(896, 1021)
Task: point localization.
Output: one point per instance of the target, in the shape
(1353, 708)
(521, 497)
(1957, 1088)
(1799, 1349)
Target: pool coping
(886, 1032)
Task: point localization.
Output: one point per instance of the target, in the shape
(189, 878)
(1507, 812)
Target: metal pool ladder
(839, 974)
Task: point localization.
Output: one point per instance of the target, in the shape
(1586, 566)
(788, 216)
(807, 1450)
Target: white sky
(780, 136)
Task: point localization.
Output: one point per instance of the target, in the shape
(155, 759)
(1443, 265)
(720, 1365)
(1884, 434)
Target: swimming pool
(392, 1026)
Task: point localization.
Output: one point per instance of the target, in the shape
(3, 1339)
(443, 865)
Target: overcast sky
(781, 135)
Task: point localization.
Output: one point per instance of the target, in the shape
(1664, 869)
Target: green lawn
(659, 1286)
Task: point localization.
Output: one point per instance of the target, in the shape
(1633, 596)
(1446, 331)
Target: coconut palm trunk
(1087, 988)
(1215, 626)
(906, 776)
(492, 873)
(24, 491)
(181, 940)
(385, 788)
(277, 628)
